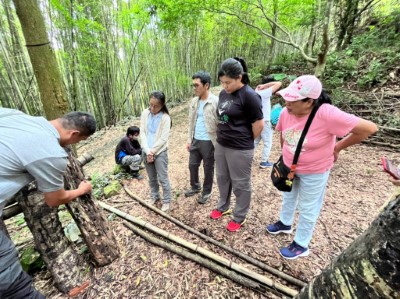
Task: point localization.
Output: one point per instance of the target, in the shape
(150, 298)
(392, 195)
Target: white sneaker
(165, 207)
(154, 200)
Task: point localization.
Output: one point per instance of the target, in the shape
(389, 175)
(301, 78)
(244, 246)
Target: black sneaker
(136, 175)
(204, 198)
(192, 192)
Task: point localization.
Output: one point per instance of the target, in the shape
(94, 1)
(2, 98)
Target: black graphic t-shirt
(236, 113)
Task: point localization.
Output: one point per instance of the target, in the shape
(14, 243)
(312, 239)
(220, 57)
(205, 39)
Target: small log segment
(243, 256)
(67, 268)
(207, 253)
(93, 226)
(84, 159)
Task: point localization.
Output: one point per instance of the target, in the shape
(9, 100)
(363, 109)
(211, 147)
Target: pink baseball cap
(307, 86)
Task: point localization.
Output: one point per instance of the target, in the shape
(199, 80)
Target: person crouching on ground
(319, 152)
(128, 152)
(202, 133)
(240, 122)
(155, 124)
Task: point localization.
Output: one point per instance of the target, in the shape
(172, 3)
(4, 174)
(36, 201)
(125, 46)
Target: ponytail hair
(234, 68)
(324, 98)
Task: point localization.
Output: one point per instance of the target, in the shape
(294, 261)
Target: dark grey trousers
(158, 175)
(201, 150)
(234, 173)
(14, 282)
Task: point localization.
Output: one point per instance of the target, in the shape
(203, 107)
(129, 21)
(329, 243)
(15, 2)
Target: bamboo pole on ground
(232, 275)
(207, 253)
(243, 256)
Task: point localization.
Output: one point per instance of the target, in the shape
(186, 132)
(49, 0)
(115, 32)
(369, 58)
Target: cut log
(86, 212)
(84, 159)
(11, 211)
(369, 267)
(68, 269)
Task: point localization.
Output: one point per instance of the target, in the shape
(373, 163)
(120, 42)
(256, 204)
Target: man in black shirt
(128, 152)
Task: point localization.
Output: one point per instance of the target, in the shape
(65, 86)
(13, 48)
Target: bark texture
(86, 212)
(43, 59)
(68, 269)
(369, 267)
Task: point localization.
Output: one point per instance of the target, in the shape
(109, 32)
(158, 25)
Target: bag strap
(301, 140)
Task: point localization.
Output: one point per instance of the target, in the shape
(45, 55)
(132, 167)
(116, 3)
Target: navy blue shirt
(236, 114)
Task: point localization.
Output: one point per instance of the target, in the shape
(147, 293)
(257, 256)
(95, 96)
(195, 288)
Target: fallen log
(84, 159)
(243, 256)
(232, 275)
(216, 258)
(11, 211)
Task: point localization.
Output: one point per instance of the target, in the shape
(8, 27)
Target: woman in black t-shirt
(240, 121)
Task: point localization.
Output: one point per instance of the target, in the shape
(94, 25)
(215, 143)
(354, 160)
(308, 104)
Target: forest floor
(357, 189)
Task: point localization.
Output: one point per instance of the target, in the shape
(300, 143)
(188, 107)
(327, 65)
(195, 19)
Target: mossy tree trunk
(67, 268)
(94, 228)
(59, 255)
(369, 267)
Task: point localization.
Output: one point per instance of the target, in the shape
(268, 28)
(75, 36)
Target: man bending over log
(32, 149)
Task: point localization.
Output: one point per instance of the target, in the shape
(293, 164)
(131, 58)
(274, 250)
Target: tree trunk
(369, 267)
(323, 53)
(311, 37)
(42, 57)
(67, 268)
(86, 212)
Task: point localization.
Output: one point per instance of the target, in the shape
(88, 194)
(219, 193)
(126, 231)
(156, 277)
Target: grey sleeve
(49, 173)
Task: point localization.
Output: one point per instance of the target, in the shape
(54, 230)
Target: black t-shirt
(236, 113)
(130, 147)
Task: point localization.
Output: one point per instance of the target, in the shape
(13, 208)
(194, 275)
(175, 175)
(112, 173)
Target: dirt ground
(357, 189)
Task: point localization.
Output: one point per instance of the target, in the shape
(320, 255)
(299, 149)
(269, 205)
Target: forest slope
(356, 190)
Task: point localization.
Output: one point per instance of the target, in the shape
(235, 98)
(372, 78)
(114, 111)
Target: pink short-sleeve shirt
(316, 155)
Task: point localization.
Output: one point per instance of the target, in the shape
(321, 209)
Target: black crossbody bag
(281, 175)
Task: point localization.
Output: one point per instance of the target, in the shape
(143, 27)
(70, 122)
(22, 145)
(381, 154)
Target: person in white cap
(319, 152)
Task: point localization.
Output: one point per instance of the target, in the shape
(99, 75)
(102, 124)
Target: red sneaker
(215, 214)
(234, 226)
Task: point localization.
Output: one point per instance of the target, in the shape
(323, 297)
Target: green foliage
(370, 58)
(99, 181)
(20, 220)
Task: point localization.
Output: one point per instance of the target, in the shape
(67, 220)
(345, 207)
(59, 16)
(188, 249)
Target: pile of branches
(380, 107)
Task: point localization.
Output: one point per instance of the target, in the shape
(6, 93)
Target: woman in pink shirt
(319, 151)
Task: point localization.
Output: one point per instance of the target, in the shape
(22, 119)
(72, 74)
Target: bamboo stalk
(227, 263)
(232, 275)
(243, 256)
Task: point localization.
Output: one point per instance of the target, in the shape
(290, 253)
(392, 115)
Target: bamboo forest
(186, 149)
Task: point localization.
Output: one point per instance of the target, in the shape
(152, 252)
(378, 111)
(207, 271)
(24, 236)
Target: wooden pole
(227, 263)
(240, 279)
(243, 256)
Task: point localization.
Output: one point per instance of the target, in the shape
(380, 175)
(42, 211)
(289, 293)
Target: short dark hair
(132, 130)
(203, 76)
(234, 68)
(84, 122)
